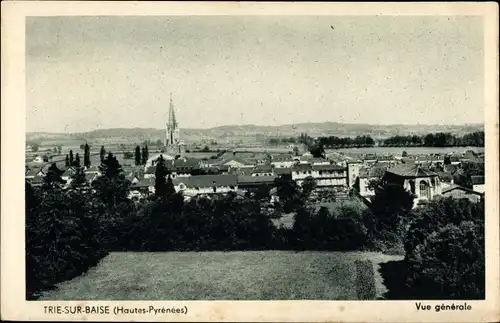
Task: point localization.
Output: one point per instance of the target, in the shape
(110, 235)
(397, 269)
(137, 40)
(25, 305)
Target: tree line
(439, 139)
(69, 228)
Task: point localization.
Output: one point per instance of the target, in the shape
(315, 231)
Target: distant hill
(239, 132)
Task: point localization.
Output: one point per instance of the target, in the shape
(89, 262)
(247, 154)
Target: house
(324, 175)
(142, 187)
(184, 166)
(153, 159)
(319, 161)
(386, 160)
(423, 183)
(150, 172)
(66, 175)
(369, 159)
(279, 171)
(452, 160)
(37, 181)
(353, 169)
(91, 177)
(262, 170)
(366, 177)
(460, 192)
(38, 159)
(92, 170)
(31, 173)
(206, 184)
(282, 161)
(478, 183)
(132, 177)
(234, 162)
(446, 179)
(255, 182)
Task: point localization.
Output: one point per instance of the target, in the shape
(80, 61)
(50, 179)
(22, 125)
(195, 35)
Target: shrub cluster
(65, 235)
(445, 250)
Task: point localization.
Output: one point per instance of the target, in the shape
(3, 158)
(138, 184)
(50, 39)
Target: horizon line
(274, 126)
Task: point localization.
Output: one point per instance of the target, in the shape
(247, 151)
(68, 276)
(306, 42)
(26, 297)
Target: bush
(445, 250)
(324, 230)
(449, 264)
(223, 223)
(63, 237)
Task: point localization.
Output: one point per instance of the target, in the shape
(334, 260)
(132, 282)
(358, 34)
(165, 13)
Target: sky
(87, 73)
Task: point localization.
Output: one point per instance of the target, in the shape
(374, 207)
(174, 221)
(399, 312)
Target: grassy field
(260, 275)
(399, 150)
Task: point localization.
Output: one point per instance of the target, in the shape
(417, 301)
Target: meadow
(241, 275)
(399, 150)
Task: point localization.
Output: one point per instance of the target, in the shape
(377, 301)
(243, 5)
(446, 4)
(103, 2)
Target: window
(424, 190)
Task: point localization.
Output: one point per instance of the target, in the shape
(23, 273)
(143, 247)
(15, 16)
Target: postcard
(250, 162)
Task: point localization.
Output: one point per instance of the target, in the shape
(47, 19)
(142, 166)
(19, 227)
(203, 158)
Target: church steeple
(172, 131)
(172, 122)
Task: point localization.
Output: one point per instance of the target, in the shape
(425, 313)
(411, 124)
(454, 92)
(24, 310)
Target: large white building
(324, 175)
(206, 184)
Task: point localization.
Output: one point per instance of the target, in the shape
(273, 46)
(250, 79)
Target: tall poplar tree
(71, 158)
(160, 178)
(138, 159)
(86, 156)
(102, 153)
(76, 163)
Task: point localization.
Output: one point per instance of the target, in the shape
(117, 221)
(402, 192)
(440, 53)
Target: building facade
(324, 175)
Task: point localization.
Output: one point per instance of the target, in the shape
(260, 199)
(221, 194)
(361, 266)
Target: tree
(66, 161)
(78, 179)
(308, 186)
(59, 149)
(295, 150)
(463, 176)
(71, 158)
(45, 158)
(76, 162)
(53, 177)
(112, 187)
(205, 149)
(288, 193)
(170, 188)
(110, 167)
(137, 155)
(317, 150)
(35, 147)
(405, 153)
(145, 155)
(86, 156)
(388, 219)
(160, 178)
(445, 250)
(102, 153)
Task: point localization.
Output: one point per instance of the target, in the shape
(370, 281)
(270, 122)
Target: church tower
(172, 136)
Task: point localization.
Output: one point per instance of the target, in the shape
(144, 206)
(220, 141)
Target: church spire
(172, 132)
(172, 121)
